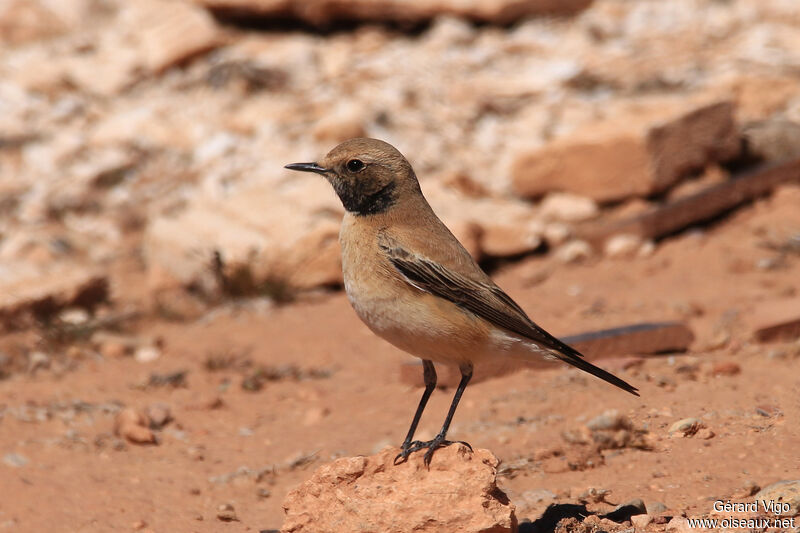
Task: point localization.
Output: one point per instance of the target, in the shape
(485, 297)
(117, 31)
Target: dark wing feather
(490, 303)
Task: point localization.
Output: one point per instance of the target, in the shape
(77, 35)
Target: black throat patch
(361, 203)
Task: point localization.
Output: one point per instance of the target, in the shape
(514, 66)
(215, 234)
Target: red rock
(171, 32)
(133, 426)
(458, 493)
(29, 291)
(725, 368)
(777, 320)
(630, 156)
(323, 12)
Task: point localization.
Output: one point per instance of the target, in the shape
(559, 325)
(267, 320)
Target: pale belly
(424, 325)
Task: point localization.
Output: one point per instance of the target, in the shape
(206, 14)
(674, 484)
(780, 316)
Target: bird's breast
(413, 320)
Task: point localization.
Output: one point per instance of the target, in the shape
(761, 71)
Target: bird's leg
(429, 376)
(439, 440)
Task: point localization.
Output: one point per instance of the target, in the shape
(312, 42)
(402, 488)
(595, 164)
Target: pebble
(640, 521)
(574, 252)
(146, 354)
(134, 427)
(622, 246)
(158, 414)
(226, 513)
(609, 420)
(16, 460)
(725, 368)
(686, 427)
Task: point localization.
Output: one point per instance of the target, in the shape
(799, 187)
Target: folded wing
(489, 302)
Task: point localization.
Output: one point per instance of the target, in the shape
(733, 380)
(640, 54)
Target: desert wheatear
(412, 283)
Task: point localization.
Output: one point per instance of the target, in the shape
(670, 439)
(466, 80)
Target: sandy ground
(329, 388)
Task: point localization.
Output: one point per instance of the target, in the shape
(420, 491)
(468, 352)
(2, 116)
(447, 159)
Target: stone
(774, 139)
(30, 291)
(777, 320)
(15, 460)
(686, 427)
(458, 493)
(785, 492)
(725, 368)
(344, 122)
(133, 426)
(676, 215)
(23, 21)
(226, 513)
(261, 241)
(623, 246)
(566, 207)
(493, 227)
(574, 251)
(326, 12)
(158, 415)
(170, 32)
(609, 420)
(629, 156)
(640, 521)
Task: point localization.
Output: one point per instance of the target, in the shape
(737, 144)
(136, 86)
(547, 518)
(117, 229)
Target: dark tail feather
(578, 361)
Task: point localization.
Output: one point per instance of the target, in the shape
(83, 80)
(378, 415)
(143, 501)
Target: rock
(623, 246)
(773, 139)
(640, 521)
(158, 414)
(686, 427)
(458, 493)
(678, 524)
(749, 488)
(725, 368)
(609, 420)
(266, 239)
(341, 124)
(486, 226)
(574, 251)
(170, 32)
(147, 354)
(22, 21)
(29, 291)
(15, 460)
(777, 320)
(785, 492)
(326, 12)
(133, 426)
(566, 207)
(629, 156)
(226, 513)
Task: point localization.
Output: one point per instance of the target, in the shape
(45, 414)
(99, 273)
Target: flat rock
(777, 320)
(457, 494)
(29, 290)
(322, 12)
(785, 492)
(265, 236)
(630, 156)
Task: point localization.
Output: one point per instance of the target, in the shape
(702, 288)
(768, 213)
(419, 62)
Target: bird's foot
(431, 445)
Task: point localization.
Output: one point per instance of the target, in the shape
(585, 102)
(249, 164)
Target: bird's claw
(432, 445)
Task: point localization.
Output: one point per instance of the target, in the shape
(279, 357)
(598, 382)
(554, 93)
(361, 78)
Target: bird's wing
(487, 301)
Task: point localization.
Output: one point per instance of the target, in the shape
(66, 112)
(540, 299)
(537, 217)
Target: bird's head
(368, 175)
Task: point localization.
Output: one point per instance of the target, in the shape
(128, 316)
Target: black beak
(307, 167)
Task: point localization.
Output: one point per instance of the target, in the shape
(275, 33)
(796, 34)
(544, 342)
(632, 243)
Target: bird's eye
(354, 165)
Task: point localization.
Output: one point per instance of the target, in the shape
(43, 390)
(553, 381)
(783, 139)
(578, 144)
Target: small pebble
(226, 513)
(725, 368)
(16, 460)
(686, 427)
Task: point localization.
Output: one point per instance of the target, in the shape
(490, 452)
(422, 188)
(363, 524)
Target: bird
(412, 282)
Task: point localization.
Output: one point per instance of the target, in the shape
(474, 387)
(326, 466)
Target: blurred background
(172, 323)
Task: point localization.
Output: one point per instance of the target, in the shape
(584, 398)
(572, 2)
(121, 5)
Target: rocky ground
(176, 353)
